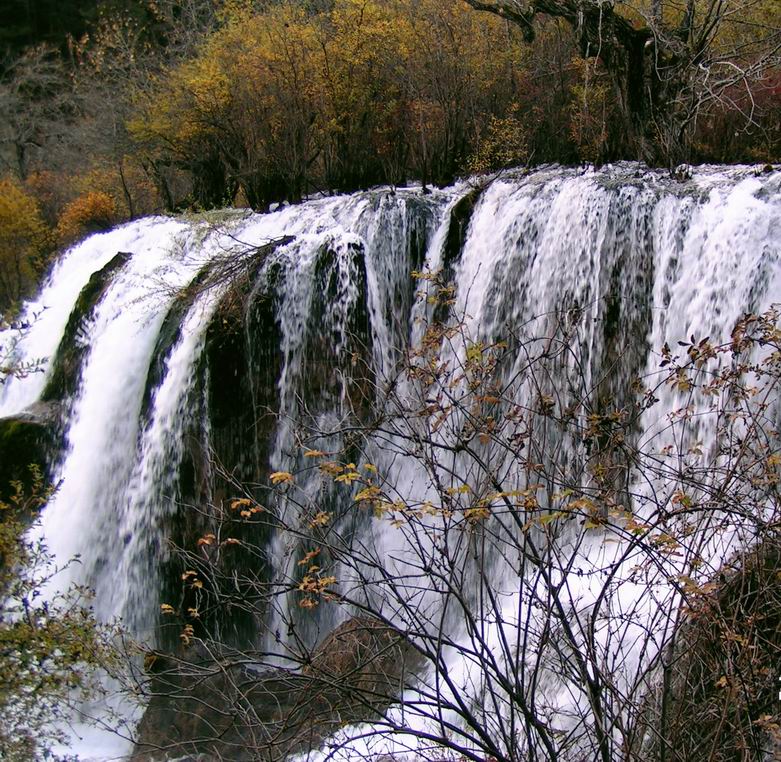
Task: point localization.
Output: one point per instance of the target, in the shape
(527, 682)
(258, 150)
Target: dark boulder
(219, 706)
(26, 440)
(721, 667)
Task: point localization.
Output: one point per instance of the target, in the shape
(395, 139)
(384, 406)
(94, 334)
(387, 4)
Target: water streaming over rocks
(211, 349)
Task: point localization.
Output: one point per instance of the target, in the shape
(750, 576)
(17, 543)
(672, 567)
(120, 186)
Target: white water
(686, 259)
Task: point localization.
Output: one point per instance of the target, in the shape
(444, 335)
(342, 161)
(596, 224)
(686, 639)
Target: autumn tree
(457, 83)
(24, 240)
(268, 139)
(279, 102)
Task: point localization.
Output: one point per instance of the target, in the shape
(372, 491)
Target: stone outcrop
(722, 668)
(25, 439)
(220, 707)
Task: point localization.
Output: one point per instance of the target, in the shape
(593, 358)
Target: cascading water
(186, 364)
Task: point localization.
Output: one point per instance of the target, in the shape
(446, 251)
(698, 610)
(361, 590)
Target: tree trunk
(647, 69)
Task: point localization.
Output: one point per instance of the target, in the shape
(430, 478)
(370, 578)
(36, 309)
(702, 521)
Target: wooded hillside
(110, 110)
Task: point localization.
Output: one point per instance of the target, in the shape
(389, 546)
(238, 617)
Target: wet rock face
(235, 396)
(210, 705)
(460, 217)
(25, 440)
(66, 366)
(337, 347)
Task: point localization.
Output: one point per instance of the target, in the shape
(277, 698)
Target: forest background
(113, 109)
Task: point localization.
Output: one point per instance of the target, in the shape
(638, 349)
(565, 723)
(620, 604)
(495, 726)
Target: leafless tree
(37, 108)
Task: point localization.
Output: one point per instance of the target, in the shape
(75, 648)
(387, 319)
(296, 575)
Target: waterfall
(223, 347)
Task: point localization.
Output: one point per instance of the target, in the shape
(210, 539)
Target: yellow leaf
(322, 519)
(462, 490)
(186, 635)
(166, 608)
(348, 477)
(309, 556)
(367, 493)
(281, 477)
(314, 454)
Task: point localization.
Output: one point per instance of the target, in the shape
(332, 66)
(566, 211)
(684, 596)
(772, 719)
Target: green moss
(22, 443)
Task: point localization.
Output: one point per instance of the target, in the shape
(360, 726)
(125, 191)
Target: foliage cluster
(24, 242)
(50, 642)
(88, 213)
(280, 103)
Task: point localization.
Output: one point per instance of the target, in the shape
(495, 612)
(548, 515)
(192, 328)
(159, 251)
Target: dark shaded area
(218, 707)
(721, 668)
(460, 217)
(31, 22)
(25, 439)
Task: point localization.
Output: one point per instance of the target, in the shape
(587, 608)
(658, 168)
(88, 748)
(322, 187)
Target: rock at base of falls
(26, 440)
(202, 704)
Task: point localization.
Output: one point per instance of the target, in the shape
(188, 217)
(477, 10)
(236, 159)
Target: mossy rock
(65, 372)
(234, 390)
(24, 441)
(460, 217)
